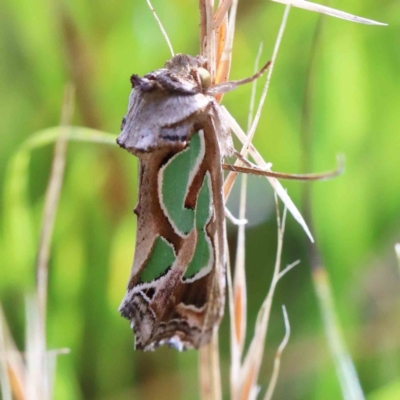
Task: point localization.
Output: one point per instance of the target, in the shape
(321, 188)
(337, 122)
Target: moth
(176, 128)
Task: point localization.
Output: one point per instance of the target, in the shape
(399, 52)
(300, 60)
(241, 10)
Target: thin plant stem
(252, 363)
(332, 12)
(278, 355)
(51, 202)
(347, 374)
(397, 250)
(345, 369)
(160, 25)
(254, 88)
(209, 368)
(12, 375)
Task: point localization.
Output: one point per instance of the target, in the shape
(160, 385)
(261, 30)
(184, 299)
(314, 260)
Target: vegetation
(334, 90)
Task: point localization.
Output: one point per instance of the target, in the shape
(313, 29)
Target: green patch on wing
(203, 251)
(161, 258)
(175, 183)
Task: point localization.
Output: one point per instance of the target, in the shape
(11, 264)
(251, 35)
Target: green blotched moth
(175, 127)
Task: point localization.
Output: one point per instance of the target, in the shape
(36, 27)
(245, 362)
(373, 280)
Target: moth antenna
(232, 85)
(161, 28)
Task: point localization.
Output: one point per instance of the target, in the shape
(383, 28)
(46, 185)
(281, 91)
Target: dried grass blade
(397, 250)
(277, 360)
(307, 5)
(203, 26)
(233, 219)
(36, 358)
(221, 13)
(254, 170)
(239, 284)
(221, 39)
(160, 25)
(51, 200)
(235, 354)
(210, 41)
(345, 370)
(281, 192)
(246, 140)
(12, 377)
(253, 359)
(210, 378)
(268, 79)
(40, 363)
(224, 64)
(254, 88)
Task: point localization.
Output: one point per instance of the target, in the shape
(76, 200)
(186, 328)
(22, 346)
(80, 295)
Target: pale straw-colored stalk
(210, 381)
(345, 369)
(51, 201)
(12, 370)
(397, 250)
(210, 371)
(238, 293)
(278, 355)
(332, 12)
(160, 25)
(32, 378)
(252, 362)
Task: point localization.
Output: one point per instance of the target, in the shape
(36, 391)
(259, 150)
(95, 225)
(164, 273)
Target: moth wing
(154, 117)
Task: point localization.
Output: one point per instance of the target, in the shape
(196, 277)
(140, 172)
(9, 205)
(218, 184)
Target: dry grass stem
(246, 139)
(210, 381)
(160, 25)
(210, 40)
(32, 378)
(51, 200)
(235, 353)
(239, 282)
(278, 188)
(288, 268)
(209, 369)
(254, 88)
(11, 365)
(345, 370)
(307, 5)
(224, 64)
(268, 79)
(255, 170)
(233, 219)
(222, 11)
(239, 292)
(277, 360)
(252, 362)
(28, 377)
(397, 250)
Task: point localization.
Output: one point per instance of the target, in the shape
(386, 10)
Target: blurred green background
(354, 109)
